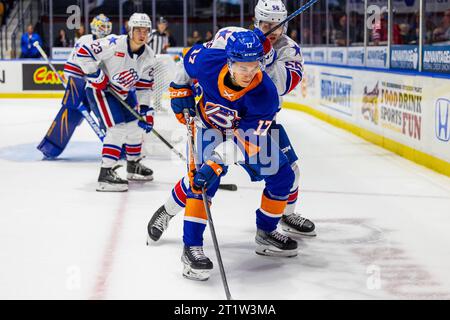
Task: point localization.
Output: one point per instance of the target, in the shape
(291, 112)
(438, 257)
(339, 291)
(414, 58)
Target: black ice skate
(298, 225)
(138, 172)
(109, 180)
(158, 224)
(275, 244)
(197, 266)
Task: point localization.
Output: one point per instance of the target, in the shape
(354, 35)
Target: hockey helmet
(272, 11)
(139, 20)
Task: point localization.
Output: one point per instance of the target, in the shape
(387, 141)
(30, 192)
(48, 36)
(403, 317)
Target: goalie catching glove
(181, 97)
(147, 113)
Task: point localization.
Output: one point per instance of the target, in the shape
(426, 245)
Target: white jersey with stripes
(126, 70)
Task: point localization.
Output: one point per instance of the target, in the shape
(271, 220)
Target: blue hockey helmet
(244, 46)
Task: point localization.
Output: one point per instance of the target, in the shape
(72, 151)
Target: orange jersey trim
(230, 94)
(250, 148)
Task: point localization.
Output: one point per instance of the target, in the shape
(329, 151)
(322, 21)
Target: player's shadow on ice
(77, 151)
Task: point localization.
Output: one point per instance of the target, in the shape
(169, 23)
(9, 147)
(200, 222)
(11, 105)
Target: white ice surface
(383, 222)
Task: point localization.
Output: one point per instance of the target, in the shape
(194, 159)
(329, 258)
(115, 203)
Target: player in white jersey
(284, 65)
(74, 103)
(123, 64)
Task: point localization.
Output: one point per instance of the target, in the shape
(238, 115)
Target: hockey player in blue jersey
(236, 110)
(284, 66)
(74, 100)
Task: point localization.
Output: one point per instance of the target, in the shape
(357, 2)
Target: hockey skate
(158, 224)
(275, 244)
(196, 266)
(109, 180)
(297, 225)
(136, 171)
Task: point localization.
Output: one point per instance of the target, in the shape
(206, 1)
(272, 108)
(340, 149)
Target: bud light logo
(443, 119)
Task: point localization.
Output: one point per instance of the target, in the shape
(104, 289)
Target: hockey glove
(269, 51)
(99, 80)
(181, 97)
(206, 176)
(147, 112)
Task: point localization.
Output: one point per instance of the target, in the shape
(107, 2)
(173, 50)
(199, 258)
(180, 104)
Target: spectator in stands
(294, 35)
(2, 12)
(62, 41)
(339, 34)
(379, 31)
(208, 36)
(442, 33)
(195, 39)
(79, 33)
(124, 29)
(305, 37)
(356, 29)
(26, 43)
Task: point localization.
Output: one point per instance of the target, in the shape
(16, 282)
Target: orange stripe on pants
(195, 208)
(273, 206)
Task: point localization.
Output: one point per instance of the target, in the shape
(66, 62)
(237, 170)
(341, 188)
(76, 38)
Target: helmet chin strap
(230, 69)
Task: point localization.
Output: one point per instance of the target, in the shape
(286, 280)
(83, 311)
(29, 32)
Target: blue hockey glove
(181, 97)
(147, 112)
(206, 176)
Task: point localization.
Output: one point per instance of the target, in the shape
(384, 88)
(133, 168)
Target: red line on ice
(101, 282)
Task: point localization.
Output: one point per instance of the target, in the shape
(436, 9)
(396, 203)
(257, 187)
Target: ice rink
(383, 222)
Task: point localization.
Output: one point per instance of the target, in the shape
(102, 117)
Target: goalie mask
(101, 26)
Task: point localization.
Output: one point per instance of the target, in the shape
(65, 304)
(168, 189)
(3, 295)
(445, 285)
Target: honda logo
(443, 119)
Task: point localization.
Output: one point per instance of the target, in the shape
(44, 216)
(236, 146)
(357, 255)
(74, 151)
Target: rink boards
(406, 113)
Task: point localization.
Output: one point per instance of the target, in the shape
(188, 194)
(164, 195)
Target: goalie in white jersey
(123, 64)
(284, 65)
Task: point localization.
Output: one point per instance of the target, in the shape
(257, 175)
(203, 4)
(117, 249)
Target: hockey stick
(229, 187)
(193, 151)
(141, 118)
(292, 16)
(98, 131)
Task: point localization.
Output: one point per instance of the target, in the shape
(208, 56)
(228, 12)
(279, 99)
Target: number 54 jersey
(246, 114)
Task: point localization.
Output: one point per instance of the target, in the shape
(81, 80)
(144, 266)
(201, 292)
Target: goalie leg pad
(60, 132)
(67, 119)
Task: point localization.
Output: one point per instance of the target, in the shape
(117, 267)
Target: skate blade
(268, 251)
(152, 238)
(295, 232)
(195, 274)
(106, 187)
(138, 177)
